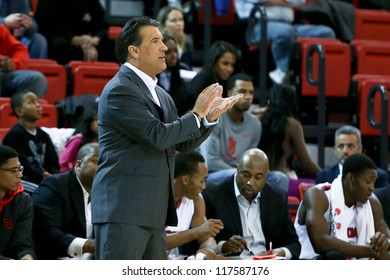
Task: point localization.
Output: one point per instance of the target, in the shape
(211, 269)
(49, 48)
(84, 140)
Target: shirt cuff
(208, 123)
(75, 248)
(287, 253)
(219, 247)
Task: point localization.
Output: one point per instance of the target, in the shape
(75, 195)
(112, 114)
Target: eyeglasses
(15, 170)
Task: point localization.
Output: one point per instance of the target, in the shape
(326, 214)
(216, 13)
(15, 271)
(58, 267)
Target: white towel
(364, 218)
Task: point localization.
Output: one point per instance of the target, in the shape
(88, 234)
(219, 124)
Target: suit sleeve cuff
(75, 248)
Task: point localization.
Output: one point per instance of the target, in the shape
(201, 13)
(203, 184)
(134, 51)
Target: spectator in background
(87, 132)
(75, 30)
(13, 64)
(18, 17)
(238, 130)
(348, 141)
(282, 137)
(222, 61)
(171, 20)
(16, 210)
(343, 219)
(170, 79)
(282, 31)
(62, 206)
(36, 150)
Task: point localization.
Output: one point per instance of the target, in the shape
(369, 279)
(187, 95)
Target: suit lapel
(77, 197)
(231, 205)
(144, 89)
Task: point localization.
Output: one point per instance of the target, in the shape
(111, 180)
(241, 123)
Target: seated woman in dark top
(222, 61)
(282, 136)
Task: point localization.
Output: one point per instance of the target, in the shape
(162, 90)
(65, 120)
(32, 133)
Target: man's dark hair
(6, 153)
(356, 164)
(239, 76)
(187, 163)
(17, 101)
(131, 35)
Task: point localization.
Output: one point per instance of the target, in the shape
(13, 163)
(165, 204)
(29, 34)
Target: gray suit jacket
(138, 141)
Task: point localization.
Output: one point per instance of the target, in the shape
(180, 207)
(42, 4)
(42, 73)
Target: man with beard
(238, 130)
(348, 142)
(254, 213)
(343, 220)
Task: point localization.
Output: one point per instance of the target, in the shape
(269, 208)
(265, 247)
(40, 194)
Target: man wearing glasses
(16, 209)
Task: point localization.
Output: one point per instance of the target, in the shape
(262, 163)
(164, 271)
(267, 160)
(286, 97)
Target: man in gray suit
(139, 132)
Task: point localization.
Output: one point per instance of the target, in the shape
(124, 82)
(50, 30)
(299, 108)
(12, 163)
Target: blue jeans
(22, 80)
(276, 178)
(282, 36)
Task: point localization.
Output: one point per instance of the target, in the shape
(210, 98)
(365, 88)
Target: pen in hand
(249, 250)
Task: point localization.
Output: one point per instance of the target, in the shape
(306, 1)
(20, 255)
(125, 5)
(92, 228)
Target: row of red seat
(363, 62)
(85, 77)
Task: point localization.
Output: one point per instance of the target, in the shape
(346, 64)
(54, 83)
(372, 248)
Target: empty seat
(372, 24)
(372, 57)
(337, 67)
(49, 116)
(91, 77)
(364, 85)
(56, 78)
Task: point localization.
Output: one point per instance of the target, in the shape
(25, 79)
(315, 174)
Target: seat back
(302, 188)
(91, 77)
(372, 57)
(56, 78)
(337, 56)
(49, 116)
(364, 84)
(372, 24)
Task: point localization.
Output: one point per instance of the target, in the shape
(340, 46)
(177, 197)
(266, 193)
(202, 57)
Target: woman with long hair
(282, 136)
(222, 61)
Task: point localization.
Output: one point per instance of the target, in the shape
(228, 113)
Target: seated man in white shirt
(62, 210)
(190, 175)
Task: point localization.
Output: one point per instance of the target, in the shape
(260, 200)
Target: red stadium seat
(337, 57)
(91, 77)
(364, 84)
(303, 187)
(49, 116)
(372, 24)
(113, 31)
(372, 57)
(56, 78)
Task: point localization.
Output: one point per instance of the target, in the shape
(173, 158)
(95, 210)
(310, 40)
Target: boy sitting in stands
(36, 150)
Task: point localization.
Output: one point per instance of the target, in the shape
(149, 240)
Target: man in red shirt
(13, 64)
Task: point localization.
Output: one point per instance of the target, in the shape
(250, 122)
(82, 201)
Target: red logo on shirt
(352, 232)
(7, 222)
(232, 145)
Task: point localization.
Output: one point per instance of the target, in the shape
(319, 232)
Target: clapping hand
(211, 103)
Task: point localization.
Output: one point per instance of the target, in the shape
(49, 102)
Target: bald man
(253, 212)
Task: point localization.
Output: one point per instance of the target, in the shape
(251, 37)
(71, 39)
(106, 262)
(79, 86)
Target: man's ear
(19, 111)
(185, 179)
(133, 51)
